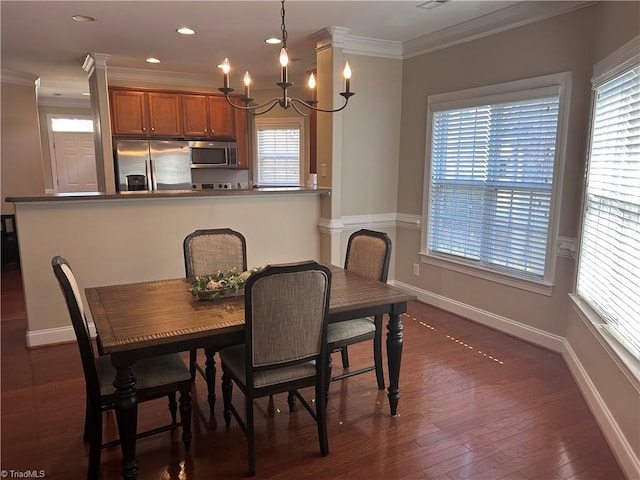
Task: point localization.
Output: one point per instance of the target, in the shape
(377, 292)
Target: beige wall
(560, 44)
(21, 155)
(122, 241)
(371, 137)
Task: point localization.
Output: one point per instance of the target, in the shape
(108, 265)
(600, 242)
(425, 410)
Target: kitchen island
(137, 237)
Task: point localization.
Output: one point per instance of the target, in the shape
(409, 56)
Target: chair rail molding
(335, 226)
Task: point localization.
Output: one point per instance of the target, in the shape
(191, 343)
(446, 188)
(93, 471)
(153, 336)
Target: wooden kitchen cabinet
(242, 137)
(176, 114)
(221, 118)
(140, 113)
(164, 114)
(129, 114)
(195, 115)
(207, 116)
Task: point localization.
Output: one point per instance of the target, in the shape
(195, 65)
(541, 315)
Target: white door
(75, 162)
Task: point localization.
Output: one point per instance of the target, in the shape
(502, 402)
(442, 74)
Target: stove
(211, 186)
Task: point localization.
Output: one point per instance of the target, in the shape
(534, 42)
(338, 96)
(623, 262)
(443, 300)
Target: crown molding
(19, 78)
(84, 102)
(624, 58)
(372, 47)
(518, 15)
(159, 77)
(329, 37)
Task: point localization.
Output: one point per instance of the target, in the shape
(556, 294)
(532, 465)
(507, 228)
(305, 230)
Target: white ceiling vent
(432, 4)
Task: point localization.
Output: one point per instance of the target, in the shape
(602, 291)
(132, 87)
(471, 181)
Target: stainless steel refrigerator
(152, 165)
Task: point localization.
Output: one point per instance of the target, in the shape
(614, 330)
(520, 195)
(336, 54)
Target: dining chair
(207, 252)
(368, 254)
(155, 377)
(285, 345)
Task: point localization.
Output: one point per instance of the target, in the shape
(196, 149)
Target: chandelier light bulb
(347, 71)
(247, 82)
(284, 58)
(347, 77)
(226, 67)
(312, 82)
(284, 61)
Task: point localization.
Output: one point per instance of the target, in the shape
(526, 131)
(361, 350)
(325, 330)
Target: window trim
(276, 123)
(613, 65)
(536, 87)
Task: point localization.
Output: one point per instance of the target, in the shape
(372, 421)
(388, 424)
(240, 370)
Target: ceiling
(40, 38)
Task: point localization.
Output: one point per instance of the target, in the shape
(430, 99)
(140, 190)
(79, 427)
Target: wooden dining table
(141, 320)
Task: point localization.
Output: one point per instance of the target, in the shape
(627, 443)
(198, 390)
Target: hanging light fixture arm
(285, 101)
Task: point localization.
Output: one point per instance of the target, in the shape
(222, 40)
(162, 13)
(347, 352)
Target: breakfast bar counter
(65, 197)
(138, 236)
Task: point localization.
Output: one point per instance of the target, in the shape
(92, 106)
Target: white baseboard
(621, 448)
(618, 443)
(506, 325)
(51, 336)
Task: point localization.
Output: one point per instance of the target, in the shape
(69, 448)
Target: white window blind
(279, 156)
(609, 261)
(491, 184)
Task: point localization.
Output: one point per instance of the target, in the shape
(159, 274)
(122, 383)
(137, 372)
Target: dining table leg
(210, 376)
(127, 419)
(394, 358)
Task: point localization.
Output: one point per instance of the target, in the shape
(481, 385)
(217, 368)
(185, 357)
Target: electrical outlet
(416, 269)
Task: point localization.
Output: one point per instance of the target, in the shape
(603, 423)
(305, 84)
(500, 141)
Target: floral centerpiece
(222, 284)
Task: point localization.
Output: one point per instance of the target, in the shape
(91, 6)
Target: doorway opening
(72, 151)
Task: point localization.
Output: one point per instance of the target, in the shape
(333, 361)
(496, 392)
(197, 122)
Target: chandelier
(285, 101)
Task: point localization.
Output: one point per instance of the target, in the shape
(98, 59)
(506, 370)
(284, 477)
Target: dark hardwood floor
(475, 404)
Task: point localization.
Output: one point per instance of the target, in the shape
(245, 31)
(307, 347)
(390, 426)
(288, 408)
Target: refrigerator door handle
(153, 185)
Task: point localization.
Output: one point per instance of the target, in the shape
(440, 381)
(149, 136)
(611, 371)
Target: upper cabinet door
(221, 118)
(242, 153)
(165, 117)
(195, 116)
(129, 112)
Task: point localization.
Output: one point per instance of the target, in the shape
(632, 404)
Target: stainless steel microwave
(213, 154)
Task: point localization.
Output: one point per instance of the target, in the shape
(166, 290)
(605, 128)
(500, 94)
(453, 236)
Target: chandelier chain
(283, 27)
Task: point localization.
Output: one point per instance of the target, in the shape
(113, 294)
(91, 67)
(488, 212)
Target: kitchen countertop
(64, 197)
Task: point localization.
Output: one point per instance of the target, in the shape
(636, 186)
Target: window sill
(490, 275)
(623, 358)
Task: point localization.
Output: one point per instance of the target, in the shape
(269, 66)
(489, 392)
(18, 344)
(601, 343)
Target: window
(76, 124)
(494, 157)
(609, 259)
(279, 152)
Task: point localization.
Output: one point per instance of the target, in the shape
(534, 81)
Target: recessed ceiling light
(273, 41)
(153, 60)
(86, 94)
(83, 18)
(186, 31)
